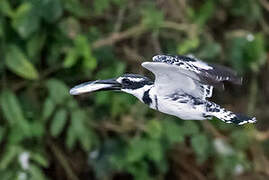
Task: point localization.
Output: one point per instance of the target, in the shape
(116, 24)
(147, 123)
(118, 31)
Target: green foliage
(247, 52)
(58, 91)
(17, 62)
(48, 46)
(205, 13)
(24, 21)
(58, 122)
(152, 18)
(200, 144)
(188, 45)
(81, 49)
(249, 7)
(13, 112)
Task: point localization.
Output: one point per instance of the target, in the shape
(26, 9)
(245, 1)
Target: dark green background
(48, 46)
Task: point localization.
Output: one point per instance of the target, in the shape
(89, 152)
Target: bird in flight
(181, 88)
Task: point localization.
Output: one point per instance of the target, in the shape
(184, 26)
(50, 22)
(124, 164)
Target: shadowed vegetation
(48, 46)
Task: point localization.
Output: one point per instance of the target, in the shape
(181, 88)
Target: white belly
(184, 111)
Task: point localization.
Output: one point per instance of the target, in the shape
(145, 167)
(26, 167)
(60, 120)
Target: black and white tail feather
(226, 116)
(181, 88)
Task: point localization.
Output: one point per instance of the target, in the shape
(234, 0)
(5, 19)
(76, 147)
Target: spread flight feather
(189, 75)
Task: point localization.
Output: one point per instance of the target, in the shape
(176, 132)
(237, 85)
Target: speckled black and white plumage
(189, 107)
(210, 74)
(183, 84)
(181, 88)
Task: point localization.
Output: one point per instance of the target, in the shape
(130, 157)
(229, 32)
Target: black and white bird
(181, 88)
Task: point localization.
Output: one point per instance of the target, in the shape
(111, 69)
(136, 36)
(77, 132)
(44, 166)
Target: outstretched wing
(210, 74)
(189, 75)
(170, 79)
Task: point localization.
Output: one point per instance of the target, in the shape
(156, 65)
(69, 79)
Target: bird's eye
(126, 82)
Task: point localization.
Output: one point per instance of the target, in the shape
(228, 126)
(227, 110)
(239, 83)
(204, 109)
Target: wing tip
(146, 64)
(242, 119)
(237, 80)
(250, 120)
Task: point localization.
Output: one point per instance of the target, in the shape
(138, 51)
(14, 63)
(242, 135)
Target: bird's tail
(228, 116)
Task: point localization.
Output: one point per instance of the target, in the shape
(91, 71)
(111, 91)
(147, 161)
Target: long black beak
(98, 85)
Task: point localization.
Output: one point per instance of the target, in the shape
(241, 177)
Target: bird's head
(134, 84)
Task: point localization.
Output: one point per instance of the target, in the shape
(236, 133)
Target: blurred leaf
(72, 104)
(48, 109)
(54, 54)
(236, 53)
(9, 155)
(255, 51)
(16, 135)
(14, 115)
(139, 171)
(190, 128)
(5, 8)
(78, 119)
(247, 52)
(210, 51)
(7, 174)
(154, 129)
(37, 129)
(2, 29)
(86, 140)
(2, 133)
(75, 8)
(36, 173)
(188, 45)
(70, 27)
(81, 132)
(100, 6)
(173, 131)
(246, 8)
(112, 69)
(89, 62)
(136, 154)
(102, 97)
(11, 108)
(205, 12)
(58, 122)
(58, 91)
(18, 63)
(71, 137)
(108, 158)
(200, 144)
(152, 18)
(24, 21)
(35, 45)
(118, 104)
(83, 48)
(240, 139)
(190, 13)
(227, 166)
(40, 159)
(71, 58)
(51, 10)
(154, 151)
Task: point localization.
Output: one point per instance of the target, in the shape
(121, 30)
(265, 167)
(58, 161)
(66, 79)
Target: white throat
(139, 93)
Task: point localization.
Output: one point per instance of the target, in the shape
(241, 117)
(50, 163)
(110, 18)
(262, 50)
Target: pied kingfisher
(181, 88)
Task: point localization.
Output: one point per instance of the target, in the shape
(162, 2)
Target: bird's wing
(188, 74)
(210, 74)
(170, 79)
